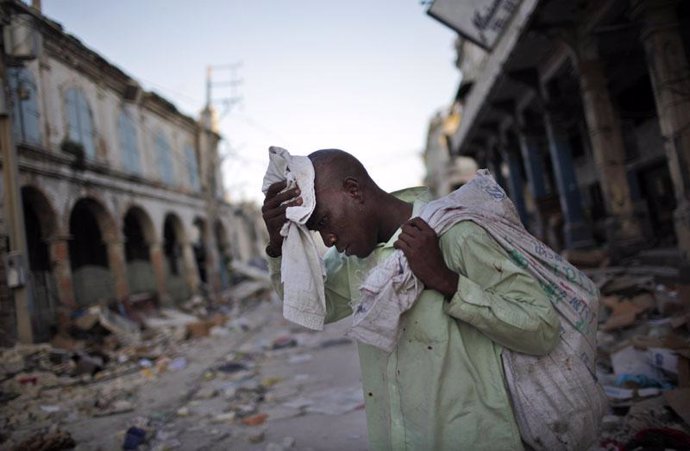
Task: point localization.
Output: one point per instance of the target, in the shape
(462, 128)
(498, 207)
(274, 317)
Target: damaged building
(581, 111)
(111, 195)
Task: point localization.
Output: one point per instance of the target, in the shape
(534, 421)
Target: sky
(362, 76)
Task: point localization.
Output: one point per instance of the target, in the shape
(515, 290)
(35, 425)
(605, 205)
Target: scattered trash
(145, 363)
(87, 364)
(225, 417)
(116, 407)
(659, 438)
(256, 438)
(644, 359)
(133, 438)
(271, 381)
(332, 342)
(178, 363)
(299, 358)
(284, 342)
(104, 358)
(54, 441)
(96, 364)
(219, 331)
(255, 420)
(50, 409)
(199, 329)
(679, 400)
(232, 367)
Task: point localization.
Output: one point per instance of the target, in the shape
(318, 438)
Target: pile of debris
(237, 397)
(644, 357)
(94, 366)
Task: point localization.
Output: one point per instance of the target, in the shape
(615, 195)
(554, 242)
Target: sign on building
(480, 21)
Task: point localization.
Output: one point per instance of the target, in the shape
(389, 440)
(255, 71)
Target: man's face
(341, 220)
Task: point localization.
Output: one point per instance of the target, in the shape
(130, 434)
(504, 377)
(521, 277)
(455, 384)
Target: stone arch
(40, 224)
(91, 229)
(106, 221)
(42, 211)
(174, 240)
(144, 220)
(139, 235)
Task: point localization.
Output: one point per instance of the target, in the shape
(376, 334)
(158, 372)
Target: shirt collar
(419, 197)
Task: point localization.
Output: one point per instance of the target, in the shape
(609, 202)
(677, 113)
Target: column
(213, 270)
(623, 227)
(494, 163)
(576, 231)
(534, 167)
(191, 271)
(670, 75)
(515, 181)
(58, 247)
(158, 264)
(212, 274)
(118, 267)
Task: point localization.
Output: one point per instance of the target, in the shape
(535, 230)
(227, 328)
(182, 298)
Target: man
(443, 387)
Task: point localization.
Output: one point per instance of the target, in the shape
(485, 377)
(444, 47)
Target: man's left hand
(420, 244)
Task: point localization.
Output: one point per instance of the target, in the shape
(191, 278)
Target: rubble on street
(215, 377)
(184, 378)
(643, 360)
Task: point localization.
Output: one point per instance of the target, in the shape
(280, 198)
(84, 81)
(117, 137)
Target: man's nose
(329, 239)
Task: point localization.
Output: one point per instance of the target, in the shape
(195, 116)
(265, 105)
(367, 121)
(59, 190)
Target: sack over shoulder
(557, 403)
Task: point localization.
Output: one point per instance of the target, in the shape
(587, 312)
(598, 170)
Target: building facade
(585, 106)
(120, 192)
(445, 172)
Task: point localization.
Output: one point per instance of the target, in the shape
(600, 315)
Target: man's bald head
(352, 213)
(333, 166)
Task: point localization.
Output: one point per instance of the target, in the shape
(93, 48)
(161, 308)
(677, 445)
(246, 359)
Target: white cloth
(302, 269)
(556, 400)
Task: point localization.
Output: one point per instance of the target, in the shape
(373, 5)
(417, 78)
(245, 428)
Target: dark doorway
(200, 253)
(140, 275)
(93, 282)
(224, 256)
(177, 287)
(39, 222)
(657, 190)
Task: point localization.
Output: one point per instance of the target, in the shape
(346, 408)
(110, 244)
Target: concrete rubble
(644, 356)
(241, 377)
(196, 377)
(98, 366)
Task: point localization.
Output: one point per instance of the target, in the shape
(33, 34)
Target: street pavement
(267, 385)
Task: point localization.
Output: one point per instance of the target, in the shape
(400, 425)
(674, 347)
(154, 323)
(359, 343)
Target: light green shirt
(442, 388)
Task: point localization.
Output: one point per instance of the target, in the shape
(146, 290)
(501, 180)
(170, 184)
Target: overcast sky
(363, 76)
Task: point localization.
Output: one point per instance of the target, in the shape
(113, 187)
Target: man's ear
(353, 188)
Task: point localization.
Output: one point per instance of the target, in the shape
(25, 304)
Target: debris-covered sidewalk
(210, 377)
(247, 380)
(644, 356)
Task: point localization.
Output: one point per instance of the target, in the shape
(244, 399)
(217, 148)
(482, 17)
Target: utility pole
(233, 83)
(213, 162)
(16, 261)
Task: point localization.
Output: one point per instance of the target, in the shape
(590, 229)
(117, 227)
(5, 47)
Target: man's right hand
(273, 212)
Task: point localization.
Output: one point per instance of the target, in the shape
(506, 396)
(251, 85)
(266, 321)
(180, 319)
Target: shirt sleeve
(337, 285)
(495, 295)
